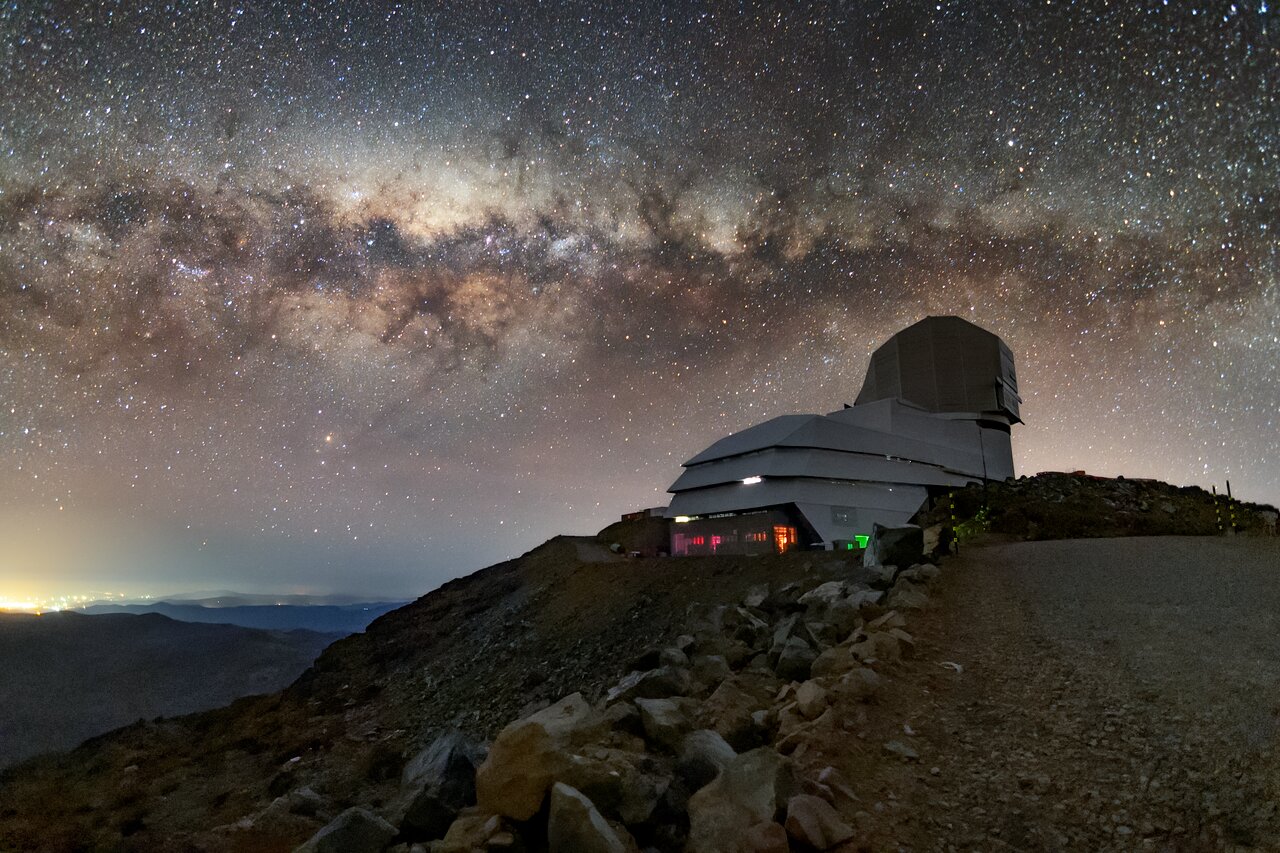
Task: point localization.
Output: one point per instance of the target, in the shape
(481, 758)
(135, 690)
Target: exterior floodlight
(751, 481)
(682, 519)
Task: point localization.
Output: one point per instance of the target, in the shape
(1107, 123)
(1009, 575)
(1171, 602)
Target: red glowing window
(698, 540)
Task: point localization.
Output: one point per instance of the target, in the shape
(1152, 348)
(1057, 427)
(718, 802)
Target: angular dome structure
(935, 413)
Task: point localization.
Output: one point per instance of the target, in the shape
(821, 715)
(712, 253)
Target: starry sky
(336, 297)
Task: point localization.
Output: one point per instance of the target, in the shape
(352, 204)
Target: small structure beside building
(935, 413)
(641, 514)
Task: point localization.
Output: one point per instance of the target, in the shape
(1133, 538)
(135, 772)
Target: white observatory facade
(935, 413)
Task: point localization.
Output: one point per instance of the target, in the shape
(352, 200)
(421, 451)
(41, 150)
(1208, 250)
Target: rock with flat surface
(860, 683)
(795, 660)
(622, 783)
(834, 661)
(709, 670)
(666, 721)
(356, 830)
(812, 821)
(894, 546)
(756, 595)
(824, 595)
(439, 782)
(907, 596)
(728, 712)
(703, 754)
(526, 757)
(811, 699)
(745, 794)
(574, 823)
(651, 684)
(472, 831)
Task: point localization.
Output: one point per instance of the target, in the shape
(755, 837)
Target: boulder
(896, 546)
(843, 616)
(859, 683)
(811, 699)
(781, 633)
(795, 660)
(865, 595)
(475, 830)
(906, 642)
(356, 830)
(745, 794)
(624, 784)
(703, 754)
(304, 801)
(526, 757)
(730, 709)
(756, 595)
(727, 711)
(765, 838)
(823, 596)
(907, 596)
(438, 783)
(877, 646)
(785, 598)
(621, 718)
(834, 661)
(746, 626)
(574, 823)
(651, 684)
(884, 576)
(673, 657)
(666, 721)
(709, 670)
(822, 634)
(813, 822)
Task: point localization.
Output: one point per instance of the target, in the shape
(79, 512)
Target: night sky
(318, 297)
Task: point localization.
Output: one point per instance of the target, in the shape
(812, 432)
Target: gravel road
(1115, 694)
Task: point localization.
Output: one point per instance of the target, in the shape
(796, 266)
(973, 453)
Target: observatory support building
(935, 413)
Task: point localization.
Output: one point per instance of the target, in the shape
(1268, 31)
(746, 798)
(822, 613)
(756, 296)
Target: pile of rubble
(700, 748)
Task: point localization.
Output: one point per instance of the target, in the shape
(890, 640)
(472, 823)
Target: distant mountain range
(68, 676)
(260, 612)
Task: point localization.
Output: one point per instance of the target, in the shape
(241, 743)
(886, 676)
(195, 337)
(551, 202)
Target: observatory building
(934, 414)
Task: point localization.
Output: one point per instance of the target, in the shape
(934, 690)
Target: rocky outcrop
(356, 830)
(575, 824)
(528, 756)
(698, 748)
(697, 751)
(438, 783)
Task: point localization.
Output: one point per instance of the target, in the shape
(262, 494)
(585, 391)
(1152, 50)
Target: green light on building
(862, 540)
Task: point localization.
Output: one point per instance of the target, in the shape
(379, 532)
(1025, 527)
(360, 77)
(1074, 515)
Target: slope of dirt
(1117, 694)
(474, 654)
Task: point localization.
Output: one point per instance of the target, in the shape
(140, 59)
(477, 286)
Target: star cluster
(357, 297)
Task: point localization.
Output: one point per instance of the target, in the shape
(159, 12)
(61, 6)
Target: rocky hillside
(473, 655)
(579, 700)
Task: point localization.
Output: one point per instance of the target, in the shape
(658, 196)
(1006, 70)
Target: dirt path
(1115, 695)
